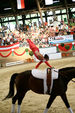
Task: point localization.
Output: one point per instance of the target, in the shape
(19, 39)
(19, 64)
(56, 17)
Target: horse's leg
(64, 98)
(13, 108)
(13, 103)
(19, 109)
(50, 101)
(20, 98)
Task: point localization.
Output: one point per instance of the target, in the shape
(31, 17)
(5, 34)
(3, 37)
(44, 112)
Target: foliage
(67, 47)
(62, 44)
(31, 53)
(26, 49)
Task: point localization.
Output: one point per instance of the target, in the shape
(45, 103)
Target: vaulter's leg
(64, 98)
(50, 101)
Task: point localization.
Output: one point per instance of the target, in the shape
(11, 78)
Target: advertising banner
(61, 39)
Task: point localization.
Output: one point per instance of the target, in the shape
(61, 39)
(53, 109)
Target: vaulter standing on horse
(38, 55)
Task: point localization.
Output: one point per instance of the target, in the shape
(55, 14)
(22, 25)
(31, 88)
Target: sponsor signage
(61, 39)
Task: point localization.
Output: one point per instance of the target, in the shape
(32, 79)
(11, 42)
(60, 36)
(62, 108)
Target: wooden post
(23, 19)
(1, 21)
(67, 11)
(67, 15)
(39, 9)
(17, 24)
(54, 15)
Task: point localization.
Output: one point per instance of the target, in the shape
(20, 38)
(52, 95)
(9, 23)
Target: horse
(25, 81)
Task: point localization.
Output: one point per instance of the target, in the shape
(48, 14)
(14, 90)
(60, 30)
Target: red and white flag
(20, 4)
(9, 47)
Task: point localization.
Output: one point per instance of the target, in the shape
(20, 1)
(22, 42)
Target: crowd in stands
(37, 35)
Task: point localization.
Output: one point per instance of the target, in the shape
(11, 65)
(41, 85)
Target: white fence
(51, 52)
(14, 63)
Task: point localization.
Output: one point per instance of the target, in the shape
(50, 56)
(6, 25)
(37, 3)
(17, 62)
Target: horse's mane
(66, 69)
(63, 71)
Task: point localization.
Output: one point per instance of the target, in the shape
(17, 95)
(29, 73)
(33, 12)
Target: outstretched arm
(38, 64)
(48, 64)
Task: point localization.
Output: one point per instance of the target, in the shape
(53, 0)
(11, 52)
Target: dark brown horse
(24, 82)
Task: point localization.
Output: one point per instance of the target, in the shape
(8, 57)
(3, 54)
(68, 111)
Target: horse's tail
(11, 87)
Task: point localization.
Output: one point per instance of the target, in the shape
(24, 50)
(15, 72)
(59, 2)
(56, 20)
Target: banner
(48, 2)
(61, 39)
(55, 1)
(9, 47)
(20, 4)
